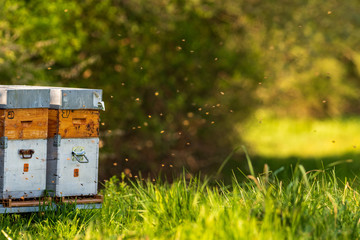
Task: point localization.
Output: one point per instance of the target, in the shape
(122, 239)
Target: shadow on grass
(345, 165)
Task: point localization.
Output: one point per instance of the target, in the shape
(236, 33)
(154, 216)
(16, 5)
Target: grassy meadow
(311, 204)
(303, 138)
(301, 184)
(315, 144)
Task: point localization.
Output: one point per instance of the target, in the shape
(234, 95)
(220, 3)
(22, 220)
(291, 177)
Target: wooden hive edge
(80, 199)
(21, 202)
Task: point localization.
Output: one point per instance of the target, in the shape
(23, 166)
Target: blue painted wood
(54, 207)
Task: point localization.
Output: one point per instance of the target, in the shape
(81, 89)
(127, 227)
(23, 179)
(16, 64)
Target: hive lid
(20, 96)
(76, 98)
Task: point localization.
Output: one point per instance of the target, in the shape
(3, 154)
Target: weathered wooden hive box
(73, 142)
(23, 141)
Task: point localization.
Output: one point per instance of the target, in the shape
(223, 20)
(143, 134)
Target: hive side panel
(2, 169)
(51, 167)
(53, 121)
(51, 176)
(2, 122)
(26, 123)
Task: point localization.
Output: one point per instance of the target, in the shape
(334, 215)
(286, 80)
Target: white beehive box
(73, 143)
(23, 141)
(68, 176)
(23, 177)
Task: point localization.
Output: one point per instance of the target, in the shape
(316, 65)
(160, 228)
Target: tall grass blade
(302, 170)
(248, 161)
(5, 234)
(277, 171)
(339, 162)
(226, 161)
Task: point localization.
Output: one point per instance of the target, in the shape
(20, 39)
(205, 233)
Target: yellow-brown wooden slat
(24, 123)
(2, 122)
(53, 127)
(81, 199)
(74, 123)
(26, 202)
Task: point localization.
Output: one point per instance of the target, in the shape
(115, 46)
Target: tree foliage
(178, 75)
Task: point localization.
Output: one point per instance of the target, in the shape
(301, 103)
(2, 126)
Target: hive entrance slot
(26, 123)
(79, 121)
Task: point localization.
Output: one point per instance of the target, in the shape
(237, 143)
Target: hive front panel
(23, 169)
(73, 167)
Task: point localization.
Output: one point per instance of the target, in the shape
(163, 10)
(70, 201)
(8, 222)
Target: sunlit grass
(285, 137)
(305, 204)
(311, 204)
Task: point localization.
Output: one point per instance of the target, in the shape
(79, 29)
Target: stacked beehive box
(23, 141)
(73, 142)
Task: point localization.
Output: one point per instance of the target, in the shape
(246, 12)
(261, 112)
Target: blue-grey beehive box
(73, 143)
(23, 141)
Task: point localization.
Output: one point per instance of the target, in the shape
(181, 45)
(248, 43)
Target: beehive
(73, 142)
(23, 141)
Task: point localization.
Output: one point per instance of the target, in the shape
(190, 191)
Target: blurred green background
(185, 82)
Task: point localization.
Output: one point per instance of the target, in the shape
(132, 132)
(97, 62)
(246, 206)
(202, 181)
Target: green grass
(288, 203)
(308, 205)
(305, 138)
